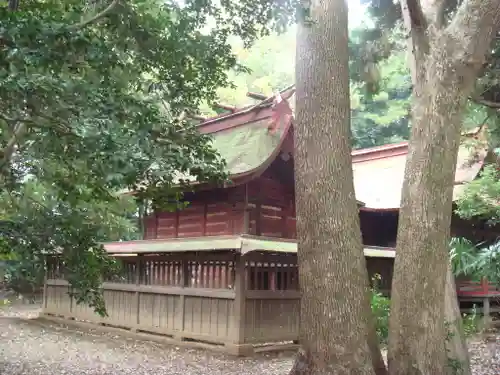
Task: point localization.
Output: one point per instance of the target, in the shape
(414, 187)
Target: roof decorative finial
(280, 110)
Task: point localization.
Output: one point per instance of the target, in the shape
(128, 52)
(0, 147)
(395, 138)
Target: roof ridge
(243, 110)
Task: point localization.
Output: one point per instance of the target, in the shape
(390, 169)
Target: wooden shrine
(222, 272)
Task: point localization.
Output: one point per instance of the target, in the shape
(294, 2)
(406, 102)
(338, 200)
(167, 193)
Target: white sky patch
(357, 13)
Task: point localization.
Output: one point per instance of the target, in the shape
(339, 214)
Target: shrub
(471, 323)
(380, 308)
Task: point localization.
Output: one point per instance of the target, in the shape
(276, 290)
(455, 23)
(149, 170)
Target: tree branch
(97, 17)
(434, 12)
(8, 119)
(474, 26)
(485, 102)
(415, 14)
(418, 39)
(7, 152)
(13, 5)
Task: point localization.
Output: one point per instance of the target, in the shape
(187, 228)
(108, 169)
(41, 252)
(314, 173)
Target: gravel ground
(29, 348)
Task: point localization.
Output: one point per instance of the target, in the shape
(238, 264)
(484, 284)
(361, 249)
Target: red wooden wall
(198, 219)
(262, 207)
(271, 208)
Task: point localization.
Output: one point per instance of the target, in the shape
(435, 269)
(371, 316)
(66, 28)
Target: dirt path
(29, 348)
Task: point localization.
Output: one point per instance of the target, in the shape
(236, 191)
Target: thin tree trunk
(447, 60)
(332, 269)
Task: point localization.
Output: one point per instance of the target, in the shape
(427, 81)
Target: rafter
(485, 102)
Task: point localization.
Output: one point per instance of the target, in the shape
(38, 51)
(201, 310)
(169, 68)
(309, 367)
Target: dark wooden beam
(256, 96)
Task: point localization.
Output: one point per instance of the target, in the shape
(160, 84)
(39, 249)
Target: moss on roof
(246, 147)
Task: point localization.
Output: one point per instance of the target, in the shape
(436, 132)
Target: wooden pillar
(237, 333)
(258, 219)
(205, 213)
(486, 312)
(181, 313)
(246, 219)
(246, 212)
(177, 223)
(71, 301)
(138, 277)
(286, 213)
(45, 285)
(157, 221)
(484, 286)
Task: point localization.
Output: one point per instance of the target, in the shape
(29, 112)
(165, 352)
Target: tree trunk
(335, 309)
(458, 353)
(446, 62)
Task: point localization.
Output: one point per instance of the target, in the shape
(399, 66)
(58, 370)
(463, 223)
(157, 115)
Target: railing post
(45, 285)
(484, 286)
(185, 276)
(237, 333)
(138, 274)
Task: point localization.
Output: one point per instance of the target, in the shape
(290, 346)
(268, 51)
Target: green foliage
(376, 118)
(35, 223)
(382, 117)
(481, 197)
(488, 263)
(270, 67)
(469, 326)
(463, 257)
(93, 98)
(380, 308)
(471, 323)
(476, 262)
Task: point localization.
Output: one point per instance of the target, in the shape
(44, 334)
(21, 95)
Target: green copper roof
(246, 147)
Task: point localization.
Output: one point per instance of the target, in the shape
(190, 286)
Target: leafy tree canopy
(94, 96)
(376, 119)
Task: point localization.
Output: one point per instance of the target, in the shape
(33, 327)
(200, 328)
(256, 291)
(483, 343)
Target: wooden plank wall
(269, 204)
(182, 296)
(272, 303)
(196, 220)
(194, 297)
(271, 208)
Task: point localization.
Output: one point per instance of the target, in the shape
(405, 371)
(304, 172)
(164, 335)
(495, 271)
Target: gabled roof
(245, 142)
(379, 171)
(243, 138)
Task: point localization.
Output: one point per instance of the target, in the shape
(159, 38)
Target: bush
(380, 309)
(471, 323)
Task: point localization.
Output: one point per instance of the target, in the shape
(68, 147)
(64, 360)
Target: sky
(356, 13)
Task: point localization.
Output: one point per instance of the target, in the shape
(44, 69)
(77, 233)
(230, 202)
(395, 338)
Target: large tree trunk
(446, 62)
(332, 270)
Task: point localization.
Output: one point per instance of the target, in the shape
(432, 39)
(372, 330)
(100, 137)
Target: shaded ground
(28, 348)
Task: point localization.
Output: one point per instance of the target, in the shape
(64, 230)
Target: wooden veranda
(236, 293)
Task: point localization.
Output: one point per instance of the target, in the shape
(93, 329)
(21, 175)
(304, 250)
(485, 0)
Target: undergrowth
(381, 304)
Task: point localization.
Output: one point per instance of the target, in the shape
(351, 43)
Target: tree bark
(335, 309)
(446, 62)
(456, 345)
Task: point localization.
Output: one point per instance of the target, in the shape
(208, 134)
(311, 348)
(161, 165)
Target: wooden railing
(476, 289)
(218, 299)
